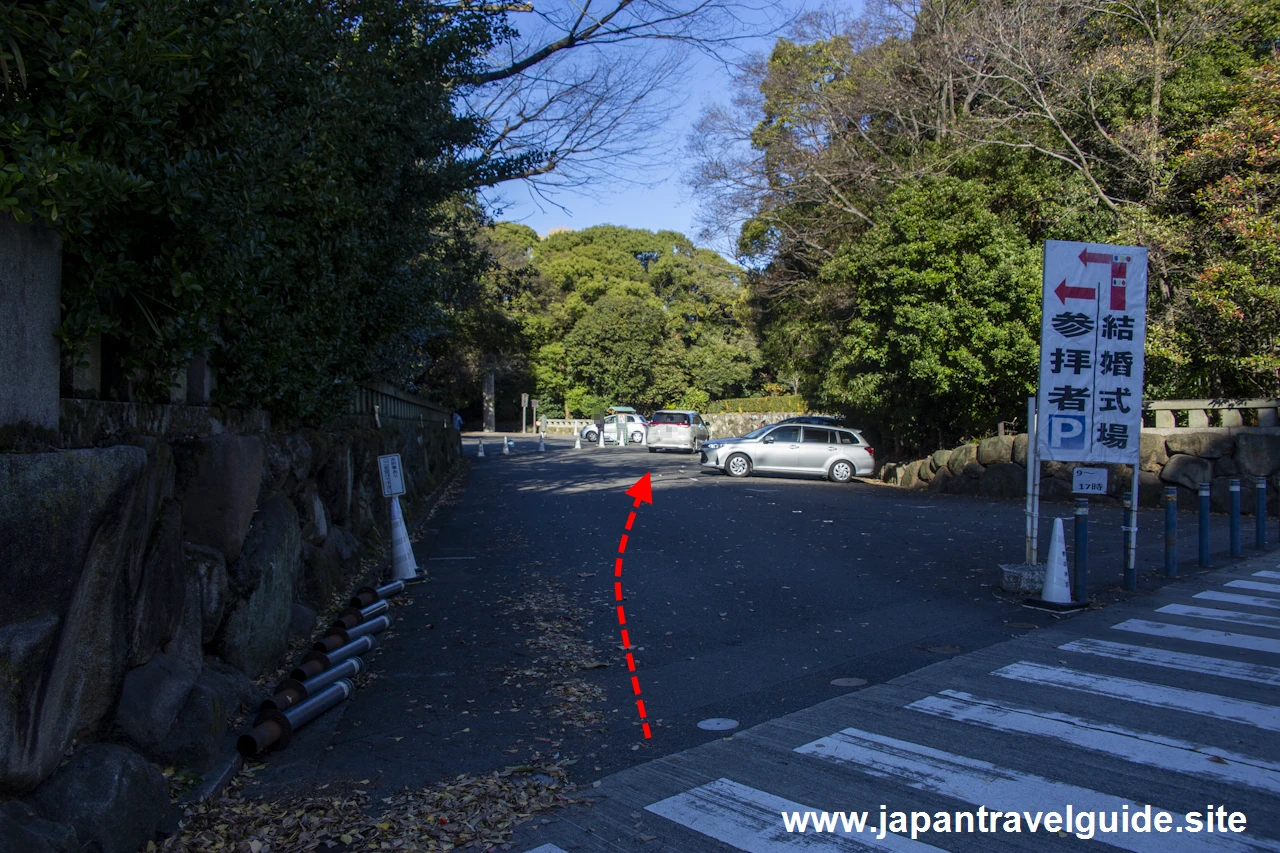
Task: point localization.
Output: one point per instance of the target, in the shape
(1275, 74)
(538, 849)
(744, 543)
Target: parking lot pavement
(1166, 701)
(745, 599)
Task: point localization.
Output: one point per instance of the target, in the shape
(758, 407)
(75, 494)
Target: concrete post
(30, 290)
(489, 395)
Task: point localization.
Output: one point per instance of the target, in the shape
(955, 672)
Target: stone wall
(996, 467)
(147, 581)
(731, 424)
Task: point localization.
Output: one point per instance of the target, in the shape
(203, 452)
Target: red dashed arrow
(642, 491)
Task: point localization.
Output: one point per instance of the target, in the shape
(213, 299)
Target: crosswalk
(1158, 724)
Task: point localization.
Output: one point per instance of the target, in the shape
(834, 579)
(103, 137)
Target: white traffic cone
(601, 439)
(1057, 580)
(506, 447)
(541, 444)
(480, 452)
(403, 566)
(577, 441)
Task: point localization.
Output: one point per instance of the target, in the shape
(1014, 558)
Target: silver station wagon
(835, 453)
(676, 429)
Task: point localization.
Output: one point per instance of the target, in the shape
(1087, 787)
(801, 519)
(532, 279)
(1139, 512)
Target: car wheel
(637, 438)
(841, 472)
(590, 437)
(737, 465)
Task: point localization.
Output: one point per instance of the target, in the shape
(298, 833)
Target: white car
(637, 427)
(835, 453)
(677, 429)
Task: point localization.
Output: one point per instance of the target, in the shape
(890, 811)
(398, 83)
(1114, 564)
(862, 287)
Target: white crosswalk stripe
(1201, 664)
(548, 848)
(982, 783)
(1267, 575)
(1251, 620)
(1200, 635)
(1156, 695)
(751, 820)
(1258, 585)
(1233, 598)
(1153, 750)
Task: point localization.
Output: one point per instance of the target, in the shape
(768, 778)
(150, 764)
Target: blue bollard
(1260, 513)
(1082, 550)
(1233, 487)
(1204, 525)
(1130, 521)
(1171, 531)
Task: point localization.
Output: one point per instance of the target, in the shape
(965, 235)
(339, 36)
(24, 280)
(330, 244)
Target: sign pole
(1031, 453)
(1131, 538)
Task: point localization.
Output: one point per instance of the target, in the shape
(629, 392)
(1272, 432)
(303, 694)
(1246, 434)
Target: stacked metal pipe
(322, 678)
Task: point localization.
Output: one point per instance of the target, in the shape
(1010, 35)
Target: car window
(670, 418)
(786, 433)
(848, 438)
(819, 436)
(611, 420)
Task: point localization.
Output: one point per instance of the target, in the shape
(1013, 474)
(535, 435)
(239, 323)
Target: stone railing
(1229, 412)
(382, 401)
(569, 426)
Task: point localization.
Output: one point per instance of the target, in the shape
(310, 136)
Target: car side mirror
(768, 439)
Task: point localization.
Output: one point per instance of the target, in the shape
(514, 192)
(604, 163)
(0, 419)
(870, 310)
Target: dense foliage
(281, 183)
(892, 176)
(618, 316)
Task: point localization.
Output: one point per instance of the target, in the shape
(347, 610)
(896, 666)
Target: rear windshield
(669, 418)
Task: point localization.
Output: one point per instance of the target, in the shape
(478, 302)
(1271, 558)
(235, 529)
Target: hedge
(789, 403)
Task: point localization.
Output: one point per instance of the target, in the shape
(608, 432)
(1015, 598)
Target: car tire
(637, 438)
(841, 471)
(590, 437)
(738, 465)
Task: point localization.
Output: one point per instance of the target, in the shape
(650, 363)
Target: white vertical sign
(392, 475)
(1093, 327)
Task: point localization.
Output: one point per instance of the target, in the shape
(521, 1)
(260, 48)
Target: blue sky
(653, 196)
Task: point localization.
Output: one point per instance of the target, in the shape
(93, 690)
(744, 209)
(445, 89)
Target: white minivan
(677, 429)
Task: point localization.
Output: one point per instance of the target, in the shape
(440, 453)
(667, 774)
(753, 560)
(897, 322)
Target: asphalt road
(744, 599)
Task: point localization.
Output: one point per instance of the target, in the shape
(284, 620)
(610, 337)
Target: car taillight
(686, 426)
(871, 450)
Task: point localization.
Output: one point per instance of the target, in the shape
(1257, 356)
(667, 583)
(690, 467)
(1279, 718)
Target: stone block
(1004, 480)
(255, 632)
(1207, 445)
(109, 794)
(1020, 449)
(940, 479)
(187, 643)
(152, 696)
(30, 314)
(209, 567)
(78, 525)
(218, 482)
(288, 460)
(909, 477)
(237, 691)
(302, 620)
(336, 482)
(22, 830)
(1152, 453)
(1226, 466)
(963, 485)
(1220, 495)
(312, 516)
(974, 469)
(1258, 454)
(1187, 471)
(1150, 489)
(1055, 490)
(1021, 579)
(925, 470)
(996, 450)
(940, 458)
(197, 733)
(960, 457)
(158, 592)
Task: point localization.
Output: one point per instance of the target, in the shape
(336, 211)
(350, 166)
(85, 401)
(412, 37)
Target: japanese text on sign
(1091, 344)
(392, 475)
(1089, 481)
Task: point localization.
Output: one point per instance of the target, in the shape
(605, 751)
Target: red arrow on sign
(1087, 257)
(1064, 293)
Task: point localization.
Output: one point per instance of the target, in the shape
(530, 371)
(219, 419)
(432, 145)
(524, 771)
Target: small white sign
(392, 475)
(1089, 481)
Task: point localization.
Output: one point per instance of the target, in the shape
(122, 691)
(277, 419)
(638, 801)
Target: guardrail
(1229, 411)
(570, 425)
(379, 401)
